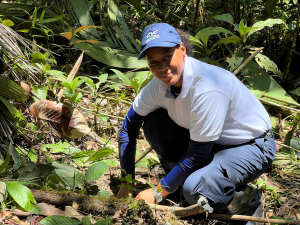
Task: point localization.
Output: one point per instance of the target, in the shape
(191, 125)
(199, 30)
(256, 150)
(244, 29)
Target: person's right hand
(123, 192)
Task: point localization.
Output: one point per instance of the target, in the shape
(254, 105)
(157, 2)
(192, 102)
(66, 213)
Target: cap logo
(151, 36)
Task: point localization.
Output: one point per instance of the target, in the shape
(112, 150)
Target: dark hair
(184, 36)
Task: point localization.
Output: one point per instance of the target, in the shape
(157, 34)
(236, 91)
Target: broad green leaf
(56, 148)
(267, 64)
(4, 165)
(211, 31)
(10, 89)
(103, 221)
(59, 220)
(38, 56)
(15, 156)
(143, 162)
(235, 60)
(84, 16)
(22, 195)
(8, 109)
(64, 170)
(96, 171)
(71, 151)
(86, 220)
(102, 78)
(241, 28)
(229, 40)
(41, 91)
(34, 172)
(8, 23)
(112, 57)
(122, 76)
(32, 155)
(296, 91)
(224, 17)
(101, 153)
(267, 23)
(273, 121)
(54, 181)
(78, 182)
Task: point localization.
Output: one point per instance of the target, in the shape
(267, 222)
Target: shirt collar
(187, 80)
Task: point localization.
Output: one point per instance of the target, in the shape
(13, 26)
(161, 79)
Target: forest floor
(280, 194)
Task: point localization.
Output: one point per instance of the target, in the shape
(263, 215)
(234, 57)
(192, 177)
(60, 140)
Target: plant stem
(247, 61)
(278, 105)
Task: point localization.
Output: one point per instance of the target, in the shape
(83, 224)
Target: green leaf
(40, 91)
(296, 91)
(22, 195)
(103, 221)
(64, 170)
(32, 155)
(59, 220)
(86, 220)
(111, 57)
(143, 162)
(84, 17)
(267, 23)
(9, 89)
(267, 64)
(8, 23)
(33, 173)
(211, 31)
(16, 157)
(241, 28)
(4, 165)
(101, 153)
(79, 180)
(38, 56)
(122, 76)
(96, 171)
(105, 194)
(56, 148)
(54, 19)
(224, 17)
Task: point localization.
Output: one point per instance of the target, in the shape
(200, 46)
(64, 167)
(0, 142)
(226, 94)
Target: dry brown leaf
(68, 121)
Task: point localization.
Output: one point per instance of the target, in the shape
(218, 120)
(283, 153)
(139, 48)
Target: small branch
(247, 61)
(195, 209)
(143, 154)
(277, 99)
(278, 105)
(283, 145)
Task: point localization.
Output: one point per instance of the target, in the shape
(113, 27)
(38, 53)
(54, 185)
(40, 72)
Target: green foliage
(59, 220)
(128, 179)
(23, 196)
(270, 190)
(71, 94)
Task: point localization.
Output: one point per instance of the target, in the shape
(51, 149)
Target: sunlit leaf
(96, 171)
(8, 23)
(59, 220)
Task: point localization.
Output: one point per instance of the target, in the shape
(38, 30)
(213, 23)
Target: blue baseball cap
(158, 35)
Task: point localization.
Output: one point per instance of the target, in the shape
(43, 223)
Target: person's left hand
(146, 195)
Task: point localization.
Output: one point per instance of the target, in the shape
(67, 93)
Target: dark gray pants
(227, 169)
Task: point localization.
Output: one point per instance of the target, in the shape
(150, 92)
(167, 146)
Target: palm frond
(13, 56)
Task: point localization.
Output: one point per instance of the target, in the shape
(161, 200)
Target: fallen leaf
(68, 121)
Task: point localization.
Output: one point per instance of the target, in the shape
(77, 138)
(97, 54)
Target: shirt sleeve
(127, 141)
(207, 116)
(196, 155)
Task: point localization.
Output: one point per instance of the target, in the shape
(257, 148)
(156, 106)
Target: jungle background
(69, 73)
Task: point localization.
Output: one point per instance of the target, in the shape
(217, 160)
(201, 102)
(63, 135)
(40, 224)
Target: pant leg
(169, 140)
(228, 170)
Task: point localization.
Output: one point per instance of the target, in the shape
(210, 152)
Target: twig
(247, 61)
(195, 209)
(277, 99)
(278, 105)
(287, 146)
(143, 154)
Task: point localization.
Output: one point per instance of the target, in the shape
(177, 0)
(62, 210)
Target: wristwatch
(157, 196)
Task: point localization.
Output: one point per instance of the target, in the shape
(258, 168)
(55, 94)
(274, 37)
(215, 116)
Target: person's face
(167, 63)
